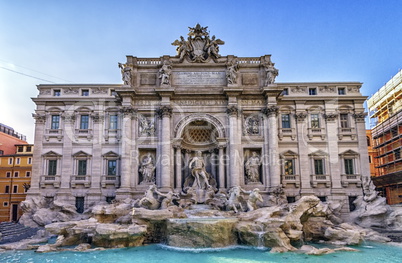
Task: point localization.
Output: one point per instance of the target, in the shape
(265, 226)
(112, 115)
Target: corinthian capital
(270, 111)
(164, 111)
(128, 111)
(39, 118)
(232, 111)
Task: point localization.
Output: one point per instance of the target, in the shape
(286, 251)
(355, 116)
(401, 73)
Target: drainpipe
(10, 192)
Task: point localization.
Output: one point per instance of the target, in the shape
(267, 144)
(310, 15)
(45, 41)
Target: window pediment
(52, 154)
(318, 153)
(81, 154)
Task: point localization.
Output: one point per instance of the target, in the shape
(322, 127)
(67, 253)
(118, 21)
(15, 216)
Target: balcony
(287, 132)
(110, 180)
(320, 179)
(347, 179)
(83, 133)
(53, 180)
(84, 180)
(349, 131)
(53, 133)
(112, 133)
(290, 179)
(316, 132)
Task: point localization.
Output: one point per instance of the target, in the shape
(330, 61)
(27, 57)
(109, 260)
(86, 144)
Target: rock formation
(38, 212)
(282, 227)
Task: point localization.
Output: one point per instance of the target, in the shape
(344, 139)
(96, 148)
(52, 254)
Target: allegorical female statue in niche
(147, 169)
(253, 168)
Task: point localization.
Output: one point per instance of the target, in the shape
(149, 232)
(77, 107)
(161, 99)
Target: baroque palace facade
(99, 142)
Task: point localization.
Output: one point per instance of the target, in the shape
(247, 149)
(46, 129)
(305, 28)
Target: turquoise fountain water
(371, 252)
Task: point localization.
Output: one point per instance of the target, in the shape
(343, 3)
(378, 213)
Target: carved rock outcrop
(38, 212)
(201, 232)
(99, 234)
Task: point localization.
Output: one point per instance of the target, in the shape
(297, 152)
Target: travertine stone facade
(99, 142)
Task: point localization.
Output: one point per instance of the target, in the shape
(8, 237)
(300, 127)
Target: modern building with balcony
(385, 108)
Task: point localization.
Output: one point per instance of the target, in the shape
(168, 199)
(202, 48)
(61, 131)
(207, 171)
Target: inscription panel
(200, 102)
(213, 78)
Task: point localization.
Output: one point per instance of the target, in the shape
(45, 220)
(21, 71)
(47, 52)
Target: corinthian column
(273, 164)
(128, 114)
(234, 143)
(165, 112)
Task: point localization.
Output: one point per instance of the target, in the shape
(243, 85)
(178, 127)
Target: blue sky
(82, 41)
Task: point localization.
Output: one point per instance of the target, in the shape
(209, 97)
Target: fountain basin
(213, 232)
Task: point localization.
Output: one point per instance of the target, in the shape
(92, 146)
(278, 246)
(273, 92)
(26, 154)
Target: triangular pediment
(111, 154)
(318, 153)
(51, 154)
(81, 154)
(349, 152)
(289, 153)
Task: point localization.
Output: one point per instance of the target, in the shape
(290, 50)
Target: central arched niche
(199, 135)
(199, 132)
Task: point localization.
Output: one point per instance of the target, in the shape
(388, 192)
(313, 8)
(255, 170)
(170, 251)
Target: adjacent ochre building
(100, 142)
(16, 158)
(386, 109)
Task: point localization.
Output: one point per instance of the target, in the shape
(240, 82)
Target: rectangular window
(29, 148)
(8, 174)
(20, 149)
(27, 174)
(289, 170)
(5, 204)
(369, 159)
(312, 91)
(84, 124)
(397, 154)
(80, 204)
(15, 189)
(52, 169)
(315, 121)
(85, 92)
(113, 92)
(16, 174)
(349, 166)
(10, 161)
(18, 160)
(344, 120)
(111, 167)
(55, 122)
(113, 122)
(352, 206)
(285, 121)
(82, 167)
(318, 166)
(29, 160)
(56, 93)
(341, 91)
(285, 91)
(7, 189)
(1, 152)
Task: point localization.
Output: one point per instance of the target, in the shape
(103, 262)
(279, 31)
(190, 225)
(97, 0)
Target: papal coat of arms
(198, 47)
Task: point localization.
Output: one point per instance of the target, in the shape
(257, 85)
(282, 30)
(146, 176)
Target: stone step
(13, 232)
